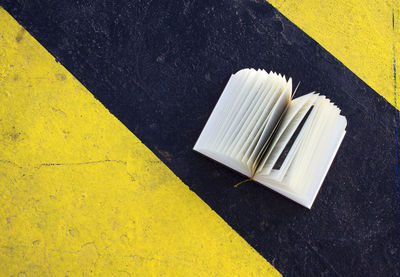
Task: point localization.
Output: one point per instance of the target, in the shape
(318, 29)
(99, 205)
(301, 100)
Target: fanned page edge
(198, 147)
(294, 196)
(218, 157)
(263, 155)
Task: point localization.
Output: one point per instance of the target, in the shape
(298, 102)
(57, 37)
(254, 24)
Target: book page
(302, 172)
(231, 114)
(291, 121)
(263, 101)
(305, 139)
(228, 96)
(315, 147)
(264, 134)
(262, 117)
(320, 167)
(240, 115)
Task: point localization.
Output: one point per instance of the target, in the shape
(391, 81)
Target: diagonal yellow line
(359, 33)
(81, 195)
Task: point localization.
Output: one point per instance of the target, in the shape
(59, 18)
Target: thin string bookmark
(295, 90)
(244, 181)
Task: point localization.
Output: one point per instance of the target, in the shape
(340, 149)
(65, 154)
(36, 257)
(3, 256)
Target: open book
(286, 144)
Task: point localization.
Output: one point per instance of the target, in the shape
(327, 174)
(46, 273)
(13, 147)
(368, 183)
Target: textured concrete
(363, 35)
(80, 195)
(160, 67)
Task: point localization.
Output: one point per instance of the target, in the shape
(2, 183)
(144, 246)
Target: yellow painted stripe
(81, 195)
(359, 33)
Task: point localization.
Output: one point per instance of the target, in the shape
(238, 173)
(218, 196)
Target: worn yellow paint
(359, 33)
(81, 195)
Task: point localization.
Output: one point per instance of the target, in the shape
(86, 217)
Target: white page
(232, 114)
(322, 167)
(304, 139)
(266, 131)
(259, 118)
(295, 114)
(228, 95)
(320, 125)
(307, 197)
(277, 174)
(206, 141)
(272, 173)
(262, 97)
(233, 144)
(287, 123)
(261, 157)
(244, 119)
(234, 93)
(318, 148)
